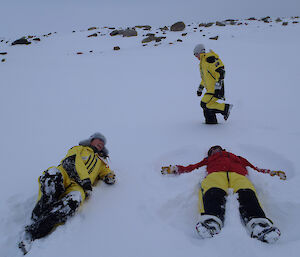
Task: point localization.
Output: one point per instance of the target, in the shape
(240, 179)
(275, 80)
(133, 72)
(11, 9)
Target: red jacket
(221, 161)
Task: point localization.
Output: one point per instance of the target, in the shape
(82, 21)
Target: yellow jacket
(88, 165)
(211, 69)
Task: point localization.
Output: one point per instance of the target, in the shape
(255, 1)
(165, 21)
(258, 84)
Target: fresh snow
(143, 99)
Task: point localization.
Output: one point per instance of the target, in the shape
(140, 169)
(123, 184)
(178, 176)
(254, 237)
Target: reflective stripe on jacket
(88, 164)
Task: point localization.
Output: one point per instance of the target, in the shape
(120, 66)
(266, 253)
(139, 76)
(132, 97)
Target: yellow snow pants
(223, 180)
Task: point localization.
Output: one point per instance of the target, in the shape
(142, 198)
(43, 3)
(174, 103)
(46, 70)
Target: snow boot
(51, 187)
(25, 242)
(208, 226)
(263, 230)
(227, 110)
(210, 116)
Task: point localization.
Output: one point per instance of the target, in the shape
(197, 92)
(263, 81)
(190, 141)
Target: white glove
(169, 170)
(110, 178)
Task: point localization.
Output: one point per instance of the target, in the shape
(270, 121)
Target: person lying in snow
(64, 188)
(212, 79)
(226, 170)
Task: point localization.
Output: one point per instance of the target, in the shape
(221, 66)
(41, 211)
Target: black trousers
(214, 204)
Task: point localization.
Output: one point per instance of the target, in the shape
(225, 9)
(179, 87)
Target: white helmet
(87, 142)
(199, 49)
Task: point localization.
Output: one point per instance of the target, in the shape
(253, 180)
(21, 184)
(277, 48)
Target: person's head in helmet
(198, 50)
(214, 149)
(98, 141)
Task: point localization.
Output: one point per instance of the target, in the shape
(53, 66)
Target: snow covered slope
(143, 98)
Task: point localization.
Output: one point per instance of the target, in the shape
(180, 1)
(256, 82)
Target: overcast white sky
(37, 16)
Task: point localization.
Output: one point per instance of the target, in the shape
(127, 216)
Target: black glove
(199, 91)
(86, 185)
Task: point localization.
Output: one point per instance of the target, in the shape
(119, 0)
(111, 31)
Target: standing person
(64, 188)
(226, 170)
(212, 79)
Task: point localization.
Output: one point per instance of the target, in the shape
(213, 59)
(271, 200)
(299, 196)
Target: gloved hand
(110, 178)
(281, 174)
(199, 91)
(86, 185)
(169, 170)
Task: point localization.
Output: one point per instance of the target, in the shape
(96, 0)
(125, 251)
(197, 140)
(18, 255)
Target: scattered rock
(3, 53)
(251, 19)
(183, 34)
(91, 51)
(116, 48)
(115, 32)
(79, 52)
(73, 31)
(266, 19)
(214, 38)
(92, 28)
(112, 28)
(232, 22)
(21, 41)
(285, 23)
(221, 24)
(294, 22)
(179, 40)
(3, 60)
(30, 37)
(36, 39)
(278, 20)
(165, 28)
(145, 27)
(125, 33)
(93, 35)
(206, 24)
(178, 26)
(151, 37)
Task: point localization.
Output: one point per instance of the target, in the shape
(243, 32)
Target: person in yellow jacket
(212, 74)
(64, 188)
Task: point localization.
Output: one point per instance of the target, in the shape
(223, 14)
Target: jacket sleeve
(191, 167)
(246, 163)
(104, 169)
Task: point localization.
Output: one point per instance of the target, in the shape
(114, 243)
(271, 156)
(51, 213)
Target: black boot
(210, 116)
(51, 186)
(60, 212)
(227, 110)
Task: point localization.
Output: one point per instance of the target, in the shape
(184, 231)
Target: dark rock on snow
(178, 26)
(21, 41)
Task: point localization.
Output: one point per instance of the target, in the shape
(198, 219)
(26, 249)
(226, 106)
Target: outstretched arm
(281, 174)
(178, 169)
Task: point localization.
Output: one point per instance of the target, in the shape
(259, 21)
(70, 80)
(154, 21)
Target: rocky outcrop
(21, 41)
(151, 37)
(178, 26)
(129, 32)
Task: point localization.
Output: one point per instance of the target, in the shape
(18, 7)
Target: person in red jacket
(226, 170)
